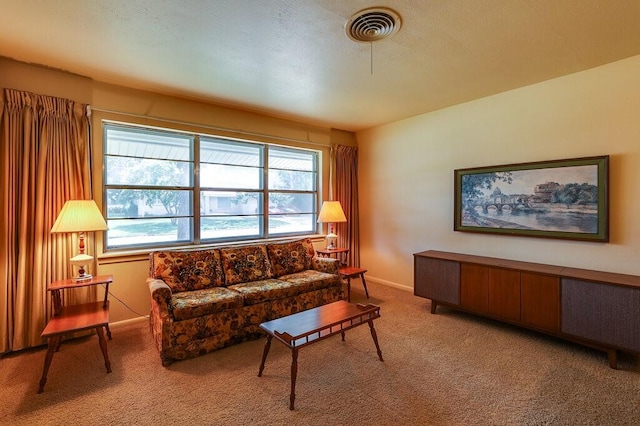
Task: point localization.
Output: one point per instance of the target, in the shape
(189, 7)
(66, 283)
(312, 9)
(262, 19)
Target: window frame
(196, 188)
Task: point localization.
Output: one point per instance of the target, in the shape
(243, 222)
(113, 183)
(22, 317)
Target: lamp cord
(125, 305)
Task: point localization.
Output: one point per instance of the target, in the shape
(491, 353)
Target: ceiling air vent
(373, 24)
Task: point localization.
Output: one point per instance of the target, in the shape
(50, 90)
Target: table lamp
(331, 212)
(80, 216)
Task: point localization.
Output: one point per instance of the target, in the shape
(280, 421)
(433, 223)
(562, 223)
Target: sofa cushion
(304, 301)
(197, 303)
(187, 270)
(245, 264)
(273, 289)
(290, 257)
(311, 280)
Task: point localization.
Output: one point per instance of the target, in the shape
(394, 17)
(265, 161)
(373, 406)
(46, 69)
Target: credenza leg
(612, 354)
(433, 306)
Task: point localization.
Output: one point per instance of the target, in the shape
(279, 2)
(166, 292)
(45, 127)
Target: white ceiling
(292, 58)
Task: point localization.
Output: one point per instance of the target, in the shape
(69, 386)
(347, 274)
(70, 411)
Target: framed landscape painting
(554, 199)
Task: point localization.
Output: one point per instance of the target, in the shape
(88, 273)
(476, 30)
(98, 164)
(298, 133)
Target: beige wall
(123, 104)
(406, 168)
(406, 172)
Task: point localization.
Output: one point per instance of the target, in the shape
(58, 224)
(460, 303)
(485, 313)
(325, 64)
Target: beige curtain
(346, 185)
(44, 161)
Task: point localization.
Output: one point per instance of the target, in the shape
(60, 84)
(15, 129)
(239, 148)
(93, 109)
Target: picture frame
(564, 199)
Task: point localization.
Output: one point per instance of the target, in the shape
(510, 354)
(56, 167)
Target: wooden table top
(332, 250)
(73, 283)
(77, 317)
(313, 324)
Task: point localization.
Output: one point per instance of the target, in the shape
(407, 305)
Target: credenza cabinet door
(540, 301)
(504, 293)
(474, 288)
(489, 290)
(601, 313)
(437, 279)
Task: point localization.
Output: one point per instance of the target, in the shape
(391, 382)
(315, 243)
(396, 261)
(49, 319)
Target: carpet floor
(444, 369)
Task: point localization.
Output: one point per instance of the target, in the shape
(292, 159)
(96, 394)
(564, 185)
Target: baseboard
(388, 283)
(123, 323)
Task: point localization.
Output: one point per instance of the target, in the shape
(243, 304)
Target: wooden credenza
(597, 309)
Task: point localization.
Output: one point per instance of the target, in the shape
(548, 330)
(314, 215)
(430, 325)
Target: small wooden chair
(348, 272)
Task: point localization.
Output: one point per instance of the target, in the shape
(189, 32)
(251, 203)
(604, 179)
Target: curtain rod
(206, 126)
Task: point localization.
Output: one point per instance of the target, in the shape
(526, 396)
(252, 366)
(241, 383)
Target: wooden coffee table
(307, 327)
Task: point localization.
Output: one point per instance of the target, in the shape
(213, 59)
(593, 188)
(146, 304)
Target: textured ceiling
(292, 58)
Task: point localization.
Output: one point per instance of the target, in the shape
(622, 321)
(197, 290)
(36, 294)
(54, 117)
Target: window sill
(119, 256)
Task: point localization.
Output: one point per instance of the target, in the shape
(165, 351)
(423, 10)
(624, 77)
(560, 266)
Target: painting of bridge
(557, 199)
(501, 202)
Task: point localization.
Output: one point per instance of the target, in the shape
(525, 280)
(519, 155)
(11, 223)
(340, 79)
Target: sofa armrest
(160, 318)
(160, 291)
(326, 264)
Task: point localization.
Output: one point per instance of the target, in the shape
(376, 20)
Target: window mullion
(265, 191)
(196, 190)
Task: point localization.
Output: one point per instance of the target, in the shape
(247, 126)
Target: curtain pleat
(346, 186)
(44, 162)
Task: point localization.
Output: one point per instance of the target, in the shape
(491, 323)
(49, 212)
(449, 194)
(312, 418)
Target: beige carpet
(443, 369)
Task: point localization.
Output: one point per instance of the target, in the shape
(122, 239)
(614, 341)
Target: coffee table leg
(375, 339)
(265, 352)
(294, 375)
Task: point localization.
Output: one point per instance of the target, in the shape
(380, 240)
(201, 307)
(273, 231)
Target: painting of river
(559, 199)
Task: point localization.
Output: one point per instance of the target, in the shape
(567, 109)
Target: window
(170, 188)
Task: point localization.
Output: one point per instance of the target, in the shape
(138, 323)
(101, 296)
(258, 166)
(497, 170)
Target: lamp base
(80, 261)
(331, 240)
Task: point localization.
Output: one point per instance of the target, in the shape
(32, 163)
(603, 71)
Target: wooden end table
(340, 253)
(348, 272)
(68, 319)
(304, 328)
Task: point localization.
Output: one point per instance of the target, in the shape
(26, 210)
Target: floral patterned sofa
(208, 299)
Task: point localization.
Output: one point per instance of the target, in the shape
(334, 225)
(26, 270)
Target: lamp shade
(331, 212)
(79, 216)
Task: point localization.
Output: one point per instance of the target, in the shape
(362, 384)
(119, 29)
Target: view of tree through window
(165, 188)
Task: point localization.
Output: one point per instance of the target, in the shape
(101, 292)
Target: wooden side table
(338, 252)
(68, 319)
(348, 272)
